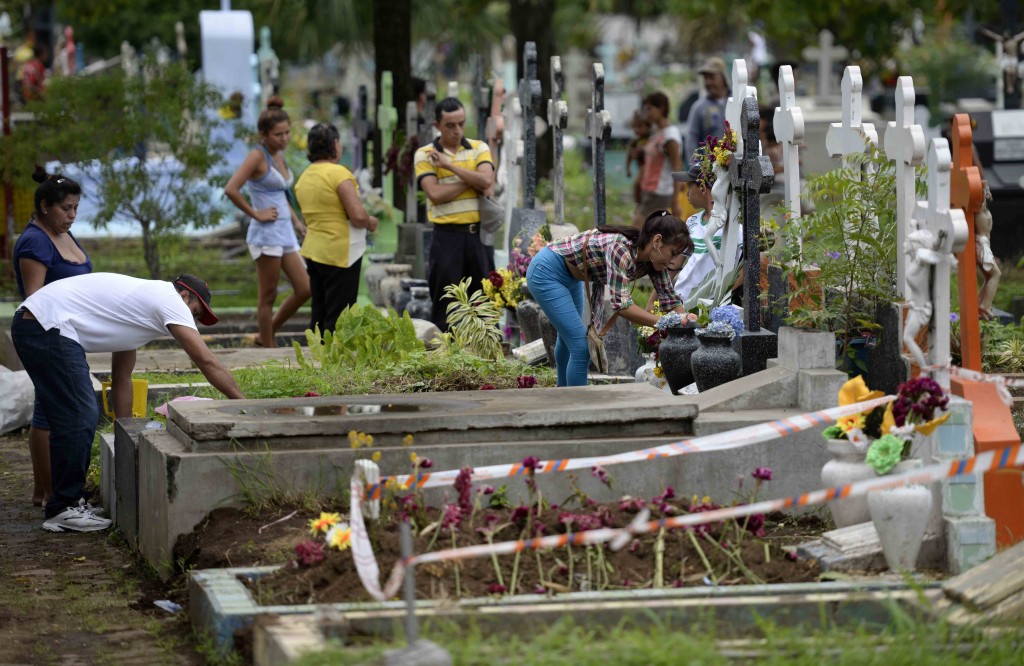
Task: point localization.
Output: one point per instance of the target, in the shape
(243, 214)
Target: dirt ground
(75, 598)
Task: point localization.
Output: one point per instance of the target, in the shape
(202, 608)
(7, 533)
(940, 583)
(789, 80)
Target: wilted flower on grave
(581, 520)
(464, 487)
(325, 522)
(601, 474)
(631, 504)
(520, 514)
(308, 553)
(705, 529)
(661, 501)
(526, 381)
(755, 524)
(452, 517)
(339, 537)
(762, 474)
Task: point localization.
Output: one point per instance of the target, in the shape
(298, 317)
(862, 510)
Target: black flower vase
(715, 362)
(674, 355)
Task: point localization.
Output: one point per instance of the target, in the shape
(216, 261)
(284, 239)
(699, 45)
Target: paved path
(74, 598)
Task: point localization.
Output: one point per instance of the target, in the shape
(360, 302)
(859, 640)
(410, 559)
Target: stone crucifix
(558, 119)
(941, 232)
(789, 131)
(599, 130)
(904, 143)
(412, 120)
(826, 53)
(362, 128)
(529, 97)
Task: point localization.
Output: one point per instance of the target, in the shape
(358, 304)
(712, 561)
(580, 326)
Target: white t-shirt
(107, 312)
(700, 264)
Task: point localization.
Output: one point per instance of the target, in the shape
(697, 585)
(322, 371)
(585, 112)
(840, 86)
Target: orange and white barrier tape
(986, 462)
(1003, 384)
(761, 432)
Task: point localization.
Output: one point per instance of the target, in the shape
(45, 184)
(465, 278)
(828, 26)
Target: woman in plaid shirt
(613, 256)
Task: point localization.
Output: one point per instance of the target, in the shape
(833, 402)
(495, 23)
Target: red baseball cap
(201, 291)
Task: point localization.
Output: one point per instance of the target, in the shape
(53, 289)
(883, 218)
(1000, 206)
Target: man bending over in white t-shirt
(101, 312)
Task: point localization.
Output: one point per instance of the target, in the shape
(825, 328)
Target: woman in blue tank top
(273, 224)
(46, 252)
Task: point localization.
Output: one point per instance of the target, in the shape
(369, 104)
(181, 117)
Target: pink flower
(762, 474)
(526, 381)
(601, 474)
(630, 504)
(452, 517)
(496, 588)
(464, 486)
(309, 553)
(791, 556)
(531, 463)
(540, 589)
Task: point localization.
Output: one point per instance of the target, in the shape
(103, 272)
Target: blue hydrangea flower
(718, 329)
(728, 315)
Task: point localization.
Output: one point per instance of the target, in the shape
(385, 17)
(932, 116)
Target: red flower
(487, 387)
(495, 588)
(526, 381)
(309, 553)
(311, 394)
(531, 462)
(496, 279)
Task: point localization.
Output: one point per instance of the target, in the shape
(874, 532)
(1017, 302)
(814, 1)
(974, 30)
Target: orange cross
(966, 193)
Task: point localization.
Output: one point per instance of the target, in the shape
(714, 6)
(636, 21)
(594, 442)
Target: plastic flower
(325, 522)
(309, 553)
(526, 381)
(853, 391)
(601, 474)
(884, 453)
(407, 440)
(375, 457)
(531, 463)
(916, 403)
(339, 537)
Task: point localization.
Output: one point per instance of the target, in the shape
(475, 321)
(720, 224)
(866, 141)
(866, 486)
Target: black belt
(472, 228)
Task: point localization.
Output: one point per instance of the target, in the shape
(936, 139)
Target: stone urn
(400, 299)
(675, 353)
(376, 271)
(393, 282)
(714, 363)
(847, 466)
(420, 306)
(900, 516)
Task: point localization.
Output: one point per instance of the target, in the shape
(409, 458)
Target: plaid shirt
(611, 260)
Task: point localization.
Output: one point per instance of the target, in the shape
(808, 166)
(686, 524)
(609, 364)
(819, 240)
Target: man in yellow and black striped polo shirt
(454, 172)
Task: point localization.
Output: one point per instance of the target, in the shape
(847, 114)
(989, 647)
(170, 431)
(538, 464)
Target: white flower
(859, 440)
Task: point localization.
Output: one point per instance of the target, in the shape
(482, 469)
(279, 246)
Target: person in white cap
(101, 312)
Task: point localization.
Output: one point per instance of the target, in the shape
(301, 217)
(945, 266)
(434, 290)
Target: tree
(145, 144)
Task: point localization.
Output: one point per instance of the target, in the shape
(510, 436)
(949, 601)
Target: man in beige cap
(708, 115)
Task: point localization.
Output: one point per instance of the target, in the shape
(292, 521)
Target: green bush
(362, 336)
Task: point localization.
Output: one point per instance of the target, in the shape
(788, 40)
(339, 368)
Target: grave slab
(107, 486)
(126, 477)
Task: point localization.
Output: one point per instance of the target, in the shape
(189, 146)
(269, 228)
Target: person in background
(454, 172)
(336, 226)
(662, 156)
(33, 75)
(46, 252)
(55, 327)
(635, 150)
(707, 117)
(271, 237)
(612, 256)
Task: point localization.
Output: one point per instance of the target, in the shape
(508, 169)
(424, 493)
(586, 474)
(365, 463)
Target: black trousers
(332, 289)
(454, 256)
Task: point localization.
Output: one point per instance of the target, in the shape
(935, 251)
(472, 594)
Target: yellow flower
(340, 537)
(407, 440)
(658, 372)
(849, 422)
(888, 420)
(323, 523)
(928, 428)
(375, 457)
(353, 439)
(413, 457)
(856, 390)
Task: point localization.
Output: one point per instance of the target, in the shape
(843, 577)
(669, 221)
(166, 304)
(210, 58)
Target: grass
(904, 641)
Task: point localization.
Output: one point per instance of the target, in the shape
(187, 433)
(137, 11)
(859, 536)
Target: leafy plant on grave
(474, 322)
(145, 147)
(362, 335)
(846, 265)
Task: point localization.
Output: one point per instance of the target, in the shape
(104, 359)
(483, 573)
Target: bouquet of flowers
(519, 261)
(375, 204)
(861, 428)
(915, 410)
(725, 322)
(714, 151)
(503, 287)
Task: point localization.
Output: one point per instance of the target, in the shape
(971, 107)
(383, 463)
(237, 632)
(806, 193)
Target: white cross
(904, 143)
(789, 131)
(734, 105)
(949, 230)
(453, 89)
(558, 118)
(850, 136)
(826, 53)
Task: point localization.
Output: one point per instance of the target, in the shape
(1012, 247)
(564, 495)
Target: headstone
(453, 89)
(788, 122)
(126, 476)
(362, 128)
(599, 130)
(947, 229)
(529, 97)
(752, 176)
(904, 144)
(966, 194)
(558, 119)
(826, 53)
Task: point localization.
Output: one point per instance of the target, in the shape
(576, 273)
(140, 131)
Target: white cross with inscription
(948, 228)
(789, 131)
(904, 143)
(826, 53)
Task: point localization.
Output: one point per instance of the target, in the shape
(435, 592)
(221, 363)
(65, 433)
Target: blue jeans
(560, 295)
(60, 374)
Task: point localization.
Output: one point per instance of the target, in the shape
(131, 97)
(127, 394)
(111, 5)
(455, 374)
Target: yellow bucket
(140, 395)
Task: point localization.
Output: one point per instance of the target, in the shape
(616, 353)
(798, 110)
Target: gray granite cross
(753, 175)
(363, 128)
(427, 129)
(481, 95)
(558, 119)
(529, 96)
(599, 130)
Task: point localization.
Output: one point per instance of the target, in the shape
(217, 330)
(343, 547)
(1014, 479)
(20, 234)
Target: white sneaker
(76, 519)
(96, 510)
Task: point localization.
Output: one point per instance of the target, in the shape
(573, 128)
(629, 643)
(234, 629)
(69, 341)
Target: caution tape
(1012, 456)
(761, 432)
(1003, 384)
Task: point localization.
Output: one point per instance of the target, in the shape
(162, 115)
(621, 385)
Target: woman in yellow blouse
(336, 226)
